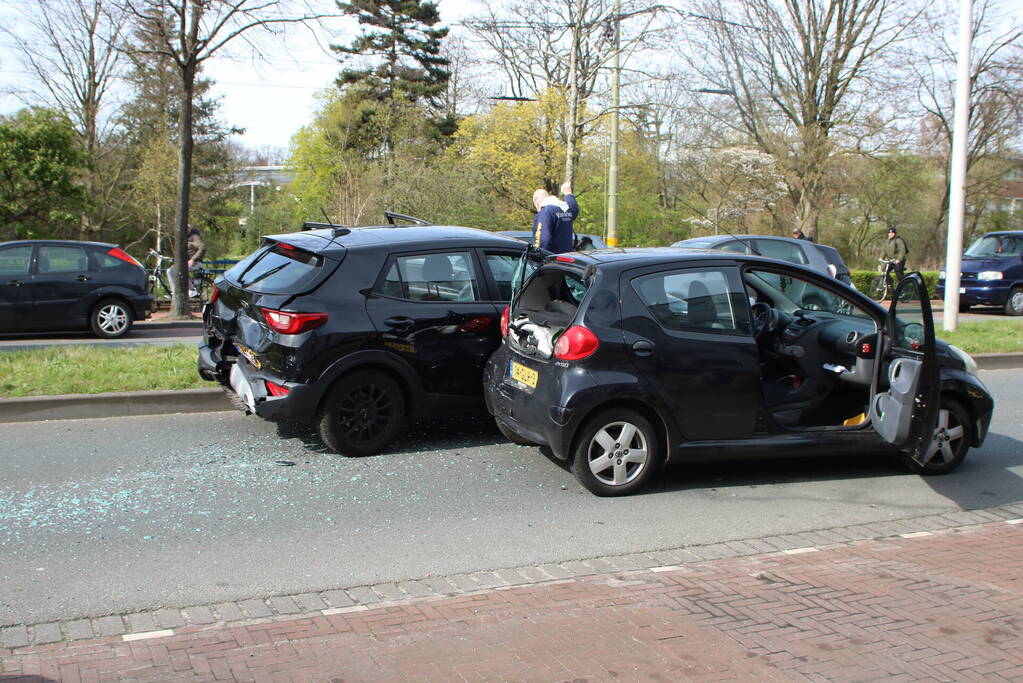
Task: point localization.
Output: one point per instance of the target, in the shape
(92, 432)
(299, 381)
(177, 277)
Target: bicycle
(201, 279)
(881, 286)
(157, 275)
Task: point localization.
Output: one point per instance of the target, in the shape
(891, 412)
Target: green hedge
(862, 278)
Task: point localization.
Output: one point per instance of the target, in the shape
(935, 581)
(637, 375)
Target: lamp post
(957, 175)
(612, 171)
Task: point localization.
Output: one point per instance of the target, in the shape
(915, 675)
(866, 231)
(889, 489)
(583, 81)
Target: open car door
(906, 393)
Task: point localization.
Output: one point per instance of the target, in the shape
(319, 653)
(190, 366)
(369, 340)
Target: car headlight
(990, 275)
(967, 359)
(941, 275)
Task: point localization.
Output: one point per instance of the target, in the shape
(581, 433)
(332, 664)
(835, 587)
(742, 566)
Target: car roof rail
(393, 216)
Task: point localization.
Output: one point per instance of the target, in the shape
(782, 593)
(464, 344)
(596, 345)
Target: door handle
(642, 348)
(400, 322)
(82, 278)
(15, 283)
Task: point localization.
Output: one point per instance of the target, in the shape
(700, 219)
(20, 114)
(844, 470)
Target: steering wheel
(765, 319)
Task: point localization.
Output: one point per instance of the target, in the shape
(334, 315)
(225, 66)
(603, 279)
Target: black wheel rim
(366, 413)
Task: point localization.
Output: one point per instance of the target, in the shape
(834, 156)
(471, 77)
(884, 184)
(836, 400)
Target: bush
(862, 279)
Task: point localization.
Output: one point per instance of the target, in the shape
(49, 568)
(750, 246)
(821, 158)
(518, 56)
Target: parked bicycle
(201, 279)
(882, 285)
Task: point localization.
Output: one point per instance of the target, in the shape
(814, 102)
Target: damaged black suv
(359, 330)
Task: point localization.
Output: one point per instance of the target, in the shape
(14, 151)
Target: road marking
(916, 534)
(145, 635)
(800, 551)
(343, 610)
(667, 568)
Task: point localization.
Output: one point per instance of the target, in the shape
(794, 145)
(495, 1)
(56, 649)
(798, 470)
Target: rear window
(278, 268)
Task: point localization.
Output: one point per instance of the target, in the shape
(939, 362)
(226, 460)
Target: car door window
(694, 301)
(62, 260)
(503, 267)
(736, 246)
(783, 251)
(432, 277)
(15, 260)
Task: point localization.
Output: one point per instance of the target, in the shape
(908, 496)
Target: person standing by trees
(895, 249)
(552, 226)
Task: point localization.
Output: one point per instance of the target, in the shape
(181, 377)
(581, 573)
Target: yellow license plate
(521, 373)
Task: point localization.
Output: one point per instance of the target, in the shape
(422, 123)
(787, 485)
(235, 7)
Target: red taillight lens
(287, 322)
(117, 252)
(575, 343)
(505, 315)
(276, 389)
(564, 259)
(214, 295)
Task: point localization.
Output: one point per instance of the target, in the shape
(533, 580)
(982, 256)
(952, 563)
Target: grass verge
(989, 336)
(95, 370)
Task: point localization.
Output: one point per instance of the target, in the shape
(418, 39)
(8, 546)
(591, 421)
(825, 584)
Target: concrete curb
(78, 406)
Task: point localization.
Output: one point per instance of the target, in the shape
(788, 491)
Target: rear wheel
(617, 453)
(110, 319)
(362, 413)
(1014, 302)
(949, 442)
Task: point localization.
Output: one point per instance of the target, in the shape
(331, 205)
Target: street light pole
(612, 172)
(957, 175)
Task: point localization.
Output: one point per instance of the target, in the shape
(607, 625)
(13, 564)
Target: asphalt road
(144, 333)
(117, 514)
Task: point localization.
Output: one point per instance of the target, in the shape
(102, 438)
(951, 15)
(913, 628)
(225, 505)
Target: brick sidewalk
(924, 606)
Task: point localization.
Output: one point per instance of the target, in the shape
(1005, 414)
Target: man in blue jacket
(552, 227)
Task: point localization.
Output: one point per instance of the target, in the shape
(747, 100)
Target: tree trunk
(179, 304)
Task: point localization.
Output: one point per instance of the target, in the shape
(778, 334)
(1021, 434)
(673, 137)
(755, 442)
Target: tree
(408, 49)
(70, 51)
(40, 162)
(795, 72)
(189, 32)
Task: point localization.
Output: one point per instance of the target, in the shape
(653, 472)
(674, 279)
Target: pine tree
(400, 36)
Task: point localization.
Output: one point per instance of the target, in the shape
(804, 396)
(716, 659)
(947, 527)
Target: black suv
(622, 360)
(360, 329)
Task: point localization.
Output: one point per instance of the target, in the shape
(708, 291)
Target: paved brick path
(946, 605)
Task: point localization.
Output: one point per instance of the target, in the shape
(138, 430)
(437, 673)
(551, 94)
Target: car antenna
(739, 239)
(338, 230)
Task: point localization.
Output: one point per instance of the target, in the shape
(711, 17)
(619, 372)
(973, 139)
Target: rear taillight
(576, 343)
(287, 322)
(505, 316)
(214, 295)
(119, 253)
(276, 389)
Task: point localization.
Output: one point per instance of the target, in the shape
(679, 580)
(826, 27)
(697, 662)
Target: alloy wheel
(112, 319)
(618, 453)
(947, 439)
(366, 412)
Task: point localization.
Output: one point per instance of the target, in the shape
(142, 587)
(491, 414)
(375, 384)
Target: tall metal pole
(957, 174)
(612, 172)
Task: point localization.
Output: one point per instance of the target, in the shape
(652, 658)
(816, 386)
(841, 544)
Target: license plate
(249, 354)
(962, 290)
(520, 373)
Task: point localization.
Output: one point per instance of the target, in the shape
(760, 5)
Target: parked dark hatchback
(622, 360)
(992, 273)
(65, 285)
(360, 330)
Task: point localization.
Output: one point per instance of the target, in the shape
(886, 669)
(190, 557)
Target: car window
(432, 277)
(15, 260)
(783, 251)
(61, 260)
(735, 246)
(278, 268)
(791, 293)
(694, 300)
(106, 261)
(502, 268)
(996, 246)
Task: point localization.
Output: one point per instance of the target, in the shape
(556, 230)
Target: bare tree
(796, 72)
(70, 50)
(996, 102)
(189, 32)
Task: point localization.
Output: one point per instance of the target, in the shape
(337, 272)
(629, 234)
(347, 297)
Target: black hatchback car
(622, 360)
(360, 330)
(62, 285)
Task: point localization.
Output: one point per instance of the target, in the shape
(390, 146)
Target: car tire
(110, 319)
(363, 412)
(608, 466)
(950, 441)
(513, 436)
(1014, 302)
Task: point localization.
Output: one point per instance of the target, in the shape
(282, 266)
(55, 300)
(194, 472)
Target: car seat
(702, 311)
(437, 271)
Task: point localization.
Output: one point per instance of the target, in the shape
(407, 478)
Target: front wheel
(1014, 302)
(878, 290)
(949, 442)
(617, 453)
(110, 319)
(362, 414)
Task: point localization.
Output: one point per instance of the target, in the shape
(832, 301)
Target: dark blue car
(992, 273)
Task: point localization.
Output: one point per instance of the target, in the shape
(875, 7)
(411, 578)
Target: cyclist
(196, 247)
(895, 250)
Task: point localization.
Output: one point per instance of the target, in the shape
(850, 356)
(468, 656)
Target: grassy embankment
(91, 370)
